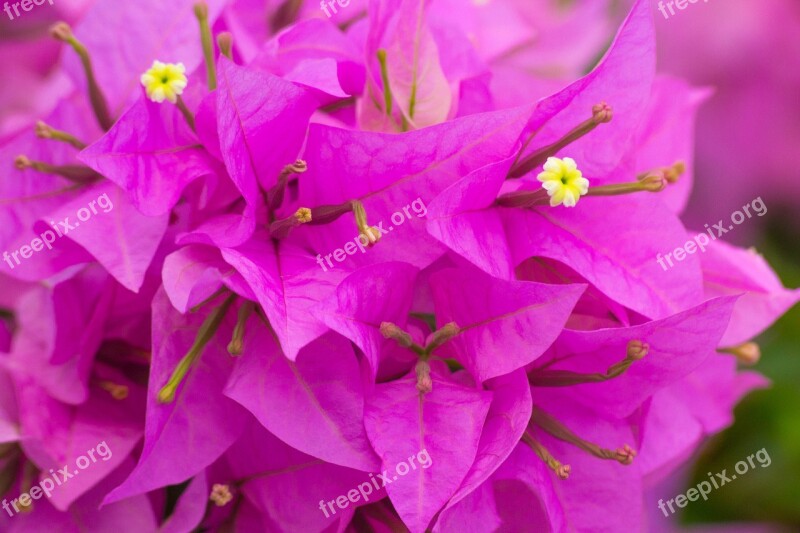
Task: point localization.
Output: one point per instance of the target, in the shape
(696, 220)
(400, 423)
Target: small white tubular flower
(563, 181)
(164, 81)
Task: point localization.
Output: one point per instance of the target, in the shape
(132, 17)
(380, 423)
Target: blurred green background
(767, 418)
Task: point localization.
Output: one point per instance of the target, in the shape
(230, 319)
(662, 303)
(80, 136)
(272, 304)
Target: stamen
(372, 234)
(424, 381)
(276, 194)
(653, 181)
(43, 131)
(564, 378)
(204, 335)
(281, 228)
(201, 12)
(387, 91)
(225, 44)
(63, 32)
(547, 422)
(671, 174)
(75, 173)
(117, 391)
(325, 214)
(442, 335)
(220, 494)
(403, 338)
(390, 330)
(561, 470)
(237, 340)
(748, 353)
(601, 114)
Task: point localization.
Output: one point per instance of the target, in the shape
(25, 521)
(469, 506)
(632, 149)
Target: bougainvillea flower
(518, 318)
(667, 360)
(346, 166)
(151, 153)
(373, 265)
(563, 181)
(324, 382)
(205, 420)
(445, 422)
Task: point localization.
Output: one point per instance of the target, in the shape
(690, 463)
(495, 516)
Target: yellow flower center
(164, 81)
(563, 181)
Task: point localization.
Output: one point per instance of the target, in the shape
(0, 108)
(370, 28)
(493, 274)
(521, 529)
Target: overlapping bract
(450, 335)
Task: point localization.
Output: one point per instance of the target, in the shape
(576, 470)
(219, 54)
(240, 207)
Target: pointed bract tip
(637, 350)
(602, 113)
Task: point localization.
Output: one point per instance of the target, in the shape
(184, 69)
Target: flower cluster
(521, 334)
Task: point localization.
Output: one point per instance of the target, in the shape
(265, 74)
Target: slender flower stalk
(206, 332)
(44, 131)
(63, 32)
(601, 114)
(201, 13)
